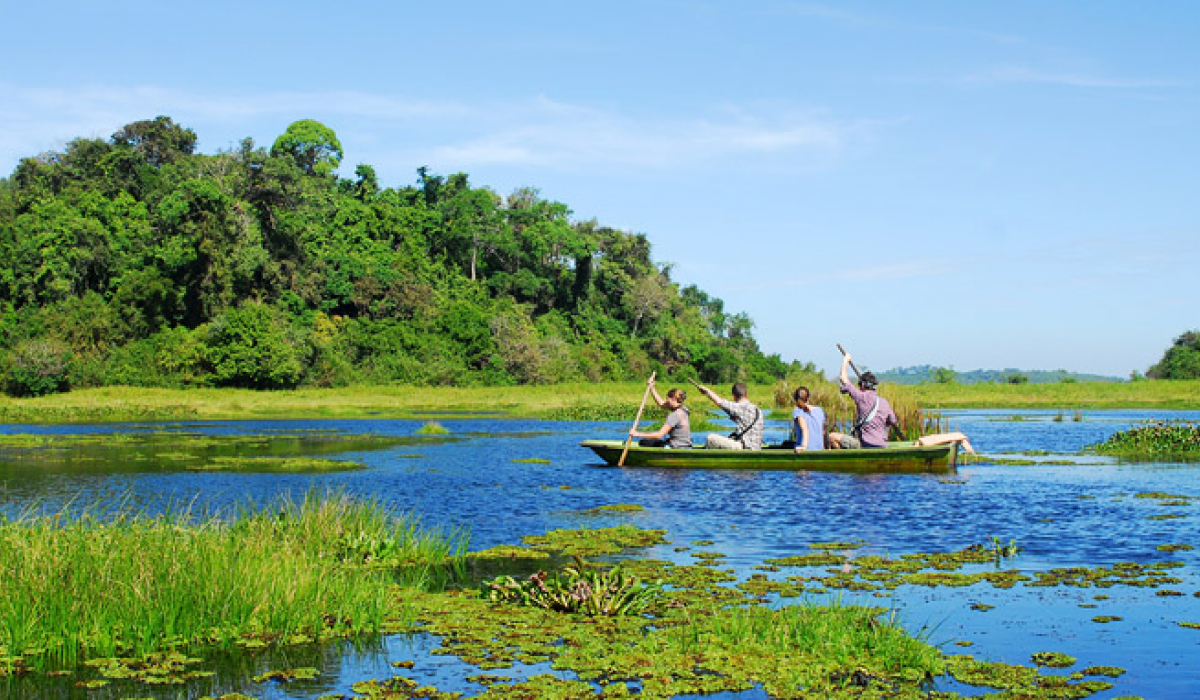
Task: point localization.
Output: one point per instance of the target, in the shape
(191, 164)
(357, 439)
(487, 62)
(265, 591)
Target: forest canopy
(137, 261)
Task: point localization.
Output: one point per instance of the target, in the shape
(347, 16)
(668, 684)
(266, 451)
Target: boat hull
(896, 458)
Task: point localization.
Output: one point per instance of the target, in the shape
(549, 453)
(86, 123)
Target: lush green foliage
(1156, 441)
(131, 583)
(1181, 361)
(136, 261)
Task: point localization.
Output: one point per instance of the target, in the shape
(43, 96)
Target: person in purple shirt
(874, 413)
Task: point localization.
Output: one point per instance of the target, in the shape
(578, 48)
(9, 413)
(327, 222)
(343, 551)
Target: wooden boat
(898, 457)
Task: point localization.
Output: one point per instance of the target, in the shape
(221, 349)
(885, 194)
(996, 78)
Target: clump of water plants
(1163, 440)
(432, 428)
(315, 568)
(578, 588)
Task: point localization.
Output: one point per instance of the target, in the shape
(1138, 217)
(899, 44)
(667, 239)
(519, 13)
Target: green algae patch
(282, 465)
(509, 552)
(586, 542)
(531, 460)
(617, 508)
(1052, 659)
(1190, 625)
(290, 675)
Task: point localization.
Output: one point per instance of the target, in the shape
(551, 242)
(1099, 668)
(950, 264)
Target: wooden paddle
(629, 438)
(844, 353)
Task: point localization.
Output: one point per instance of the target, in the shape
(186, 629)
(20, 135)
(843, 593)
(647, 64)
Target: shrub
(248, 347)
(38, 367)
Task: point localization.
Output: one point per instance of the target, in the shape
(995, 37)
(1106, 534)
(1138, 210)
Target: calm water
(1061, 516)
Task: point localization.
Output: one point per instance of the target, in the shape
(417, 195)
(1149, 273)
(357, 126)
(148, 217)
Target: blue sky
(973, 185)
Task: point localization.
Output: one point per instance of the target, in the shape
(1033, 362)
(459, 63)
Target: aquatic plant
(432, 428)
(1163, 440)
(578, 588)
(79, 583)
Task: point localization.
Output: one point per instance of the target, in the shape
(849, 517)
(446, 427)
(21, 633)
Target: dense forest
(136, 261)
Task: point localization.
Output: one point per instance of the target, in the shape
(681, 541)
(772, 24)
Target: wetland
(1039, 567)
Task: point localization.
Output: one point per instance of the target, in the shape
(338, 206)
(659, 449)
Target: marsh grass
(80, 585)
(572, 401)
(841, 635)
(915, 421)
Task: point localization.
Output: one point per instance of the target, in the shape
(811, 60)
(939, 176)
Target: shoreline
(550, 402)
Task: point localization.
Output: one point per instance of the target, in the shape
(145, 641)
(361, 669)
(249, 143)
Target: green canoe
(899, 457)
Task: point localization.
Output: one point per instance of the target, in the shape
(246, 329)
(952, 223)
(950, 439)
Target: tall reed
(840, 412)
(82, 584)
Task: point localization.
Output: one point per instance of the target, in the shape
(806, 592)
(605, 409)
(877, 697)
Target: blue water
(1082, 514)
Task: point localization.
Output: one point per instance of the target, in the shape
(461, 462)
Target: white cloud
(537, 131)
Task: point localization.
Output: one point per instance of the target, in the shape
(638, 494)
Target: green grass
(1060, 395)
(580, 401)
(79, 585)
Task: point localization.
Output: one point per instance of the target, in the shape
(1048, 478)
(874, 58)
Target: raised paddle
(629, 438)
(844, 353)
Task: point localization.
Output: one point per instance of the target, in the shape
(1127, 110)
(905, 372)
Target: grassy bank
(85, 585)
(1142, 394)
(584, 401)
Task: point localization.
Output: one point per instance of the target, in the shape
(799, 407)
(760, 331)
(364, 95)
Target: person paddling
(874, 415)
(676, 432)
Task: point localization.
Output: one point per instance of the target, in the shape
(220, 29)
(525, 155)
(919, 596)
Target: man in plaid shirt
(747, 420)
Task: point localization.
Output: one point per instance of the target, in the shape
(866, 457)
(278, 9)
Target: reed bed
(81, 585)
(915, 420)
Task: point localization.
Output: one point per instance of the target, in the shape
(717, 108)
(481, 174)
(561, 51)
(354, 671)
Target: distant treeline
(928, 373)
(135, 261)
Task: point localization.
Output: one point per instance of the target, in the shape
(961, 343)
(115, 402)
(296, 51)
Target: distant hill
(929, 373)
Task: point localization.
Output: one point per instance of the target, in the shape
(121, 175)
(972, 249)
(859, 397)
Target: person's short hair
(801, 394)
(739, 390)
(868, 381)
(678, 394)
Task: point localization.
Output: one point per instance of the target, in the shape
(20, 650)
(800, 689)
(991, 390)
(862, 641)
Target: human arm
(844, 376)
(654, 394)
(656, 435)
(802, 436)
(709, 393)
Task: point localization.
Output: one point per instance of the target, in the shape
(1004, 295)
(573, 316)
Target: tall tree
(314, 146)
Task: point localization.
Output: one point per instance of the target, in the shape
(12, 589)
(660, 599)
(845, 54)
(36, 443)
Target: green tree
(1181, 360)
(248, 346)
(314, 146)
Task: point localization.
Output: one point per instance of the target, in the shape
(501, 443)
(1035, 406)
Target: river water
(1083, 514)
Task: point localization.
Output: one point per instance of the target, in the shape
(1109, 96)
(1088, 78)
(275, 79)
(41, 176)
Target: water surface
(1082, 514)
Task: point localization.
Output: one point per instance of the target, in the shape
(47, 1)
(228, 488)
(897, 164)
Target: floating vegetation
(1107, 618)
(277, 465)
(531, 460)
(288, 676)
(432, 428)
(1157, 441)
(617, 508)
(1190, 625)
(1053, 659)
(587, 542)
(509, 552)
(1174, 548)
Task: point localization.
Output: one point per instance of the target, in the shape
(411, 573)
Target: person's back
(808, 422)
(814, 418)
